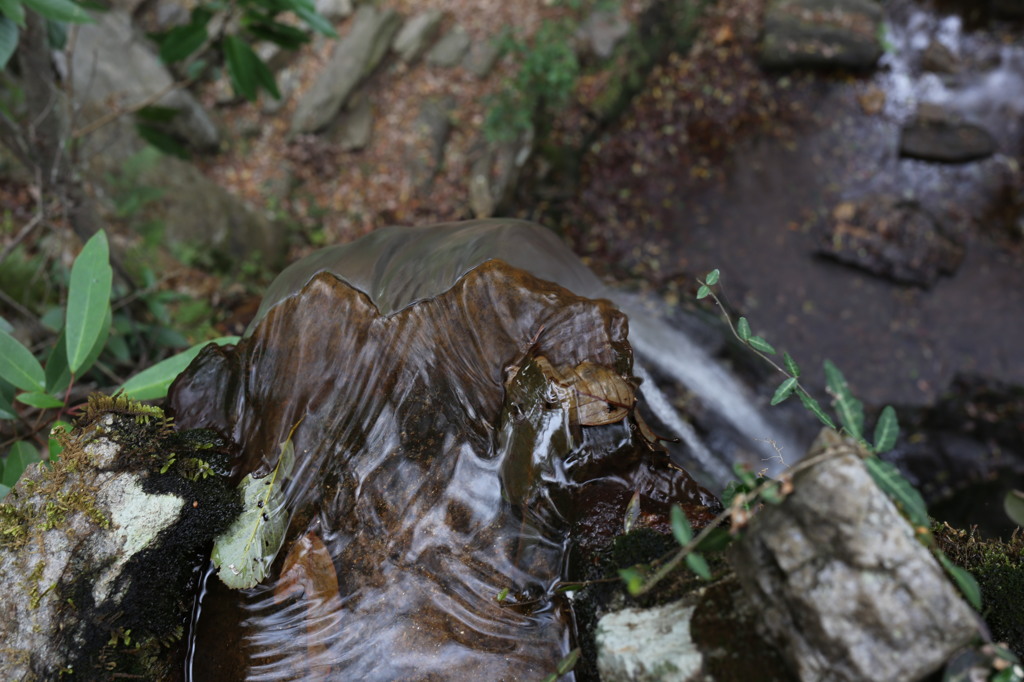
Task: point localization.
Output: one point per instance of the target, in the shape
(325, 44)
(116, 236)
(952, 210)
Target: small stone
(333, 10)
(938, 58)
(653, 644)
(432, 127)
(481, 57)
(939, 136)
(448, 51)
(354, 127)
(603, 30)
(417, 33)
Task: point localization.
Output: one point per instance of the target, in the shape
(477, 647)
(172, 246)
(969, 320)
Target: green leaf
(502, 595)
(632, 514)
(88, 312)
(703, 292)
(41, 400)
(849, 409)
(569, 662)
(698, 565)
(743, 329)
(964, 580)
(757, 343)
(791, 365)
(746, 476)
(1013, 503)
(4, 489)
(60, 10)
(56, 34)
(634, 580)
(13, 10)
(152, 383)
(242, 63)
(19, 456)
(887, 430)
(306, 11)
(280, 34)
(244, 552)
(681, 528)
(784, 390)
(907, 498)
(716, 540)
(711, 279)
(99, 344)
(771, 494)
(18, 366)
(815, 408)
(182, 41)
(265, 77)
(8, 40)
(58, 376)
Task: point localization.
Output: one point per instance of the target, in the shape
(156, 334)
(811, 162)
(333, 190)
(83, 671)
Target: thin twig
(29, 226)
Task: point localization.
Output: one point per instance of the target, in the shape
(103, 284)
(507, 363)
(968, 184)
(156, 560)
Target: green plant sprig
(850, 411)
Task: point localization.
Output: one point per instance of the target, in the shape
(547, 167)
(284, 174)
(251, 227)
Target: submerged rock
(450, 412)
(821, 33)
(894, 238)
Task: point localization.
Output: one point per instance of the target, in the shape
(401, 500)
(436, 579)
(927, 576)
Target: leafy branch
(850, 412)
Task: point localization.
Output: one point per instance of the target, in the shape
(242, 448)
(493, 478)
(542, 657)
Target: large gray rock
(104, 546)
(354, 58)
(844, 586)
(114, 66)
(417, 34)
(821, 33)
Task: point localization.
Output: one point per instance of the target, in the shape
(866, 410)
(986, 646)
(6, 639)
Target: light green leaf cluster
(244, 553)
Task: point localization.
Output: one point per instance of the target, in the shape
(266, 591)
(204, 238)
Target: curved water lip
(396, 266)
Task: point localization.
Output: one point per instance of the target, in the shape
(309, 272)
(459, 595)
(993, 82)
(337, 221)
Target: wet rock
(116, 67)
(105, 545)
(602, 30)
(846, 589)
(449, 50)
(354, 58)
(431, 128)
(936, 134)
(354, 127)
(893, 238)
(654, 645)
(417, 34)
(481, 57)
(938, 58)
(333, 10)
(439, 462)
(821, 33)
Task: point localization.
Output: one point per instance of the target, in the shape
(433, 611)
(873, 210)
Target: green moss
(999, 569)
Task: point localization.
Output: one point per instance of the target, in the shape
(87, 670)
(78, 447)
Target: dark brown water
(440, 459)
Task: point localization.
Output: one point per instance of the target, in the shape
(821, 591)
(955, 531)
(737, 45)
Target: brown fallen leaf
(309, 575)
(599, 394)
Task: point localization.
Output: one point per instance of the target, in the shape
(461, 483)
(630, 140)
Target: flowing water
(452, 448)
